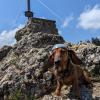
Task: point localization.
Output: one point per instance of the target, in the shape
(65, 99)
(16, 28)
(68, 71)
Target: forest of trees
(96, 41)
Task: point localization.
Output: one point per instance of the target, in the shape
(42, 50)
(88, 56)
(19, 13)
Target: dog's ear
(51, 58)
(74, 57)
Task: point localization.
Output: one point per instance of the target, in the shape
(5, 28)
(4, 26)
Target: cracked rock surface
(24, 67)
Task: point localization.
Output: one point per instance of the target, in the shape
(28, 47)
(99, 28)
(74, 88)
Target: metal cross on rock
(28, 13)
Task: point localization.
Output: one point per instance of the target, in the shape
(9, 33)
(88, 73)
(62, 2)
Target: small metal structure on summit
(28, 13)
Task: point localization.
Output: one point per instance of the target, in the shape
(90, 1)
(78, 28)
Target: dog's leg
(58, 89)
(76, 90)
(87, 78)
(76, 84)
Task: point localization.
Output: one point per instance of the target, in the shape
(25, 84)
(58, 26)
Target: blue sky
(75, 19)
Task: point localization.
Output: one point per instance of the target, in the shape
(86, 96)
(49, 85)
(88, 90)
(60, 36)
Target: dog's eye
(52, 52)
(63, 50)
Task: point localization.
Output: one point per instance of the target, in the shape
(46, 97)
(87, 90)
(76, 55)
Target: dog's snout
(57, 62)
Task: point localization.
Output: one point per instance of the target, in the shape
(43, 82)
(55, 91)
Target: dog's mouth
(56, 67)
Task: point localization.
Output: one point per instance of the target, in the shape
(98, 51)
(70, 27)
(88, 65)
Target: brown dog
(67, 70)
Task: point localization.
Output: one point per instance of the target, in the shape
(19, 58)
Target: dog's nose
(57, 62)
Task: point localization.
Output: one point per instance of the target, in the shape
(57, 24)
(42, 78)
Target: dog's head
(60, 55)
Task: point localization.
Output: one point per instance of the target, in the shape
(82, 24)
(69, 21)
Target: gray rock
(90, 55)
(4, 51)
(25, 67)
(26, 64)
(37, 25)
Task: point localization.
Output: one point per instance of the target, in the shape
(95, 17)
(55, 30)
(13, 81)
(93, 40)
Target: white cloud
(90, 18)
(67, 21)
(60, 32)
(8, 37)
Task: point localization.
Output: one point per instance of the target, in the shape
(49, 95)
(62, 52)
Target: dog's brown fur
(68, 72)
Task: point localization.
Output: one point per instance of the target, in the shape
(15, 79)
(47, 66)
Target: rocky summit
(24, 67)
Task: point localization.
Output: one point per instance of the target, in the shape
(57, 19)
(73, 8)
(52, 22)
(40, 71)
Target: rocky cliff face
(90, 55)
(24, 67)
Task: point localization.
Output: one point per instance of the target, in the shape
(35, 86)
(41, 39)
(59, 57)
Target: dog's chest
(68, 80)
(66, 76)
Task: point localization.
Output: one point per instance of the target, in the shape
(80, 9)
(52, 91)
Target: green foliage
(18, 95)
(96, 71)
(96, 41)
